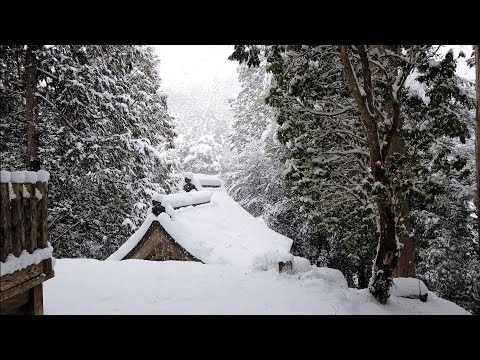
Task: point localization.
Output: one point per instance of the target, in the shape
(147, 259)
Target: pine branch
(65, 119)
(47, 73)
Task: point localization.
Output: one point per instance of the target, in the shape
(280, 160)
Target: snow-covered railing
(25, 253)
(23, 212)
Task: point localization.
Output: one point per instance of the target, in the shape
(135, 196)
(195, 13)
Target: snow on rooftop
(183, 199)
(133, 240)
(220, 232)
(201, 180)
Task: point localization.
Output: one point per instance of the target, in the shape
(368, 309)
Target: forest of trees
(372, 158)
(363, 155)
(101, 129)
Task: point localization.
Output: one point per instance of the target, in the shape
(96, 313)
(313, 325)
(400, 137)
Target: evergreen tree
(346, 116)
(203, 156)
(254, 178)
(104, 135)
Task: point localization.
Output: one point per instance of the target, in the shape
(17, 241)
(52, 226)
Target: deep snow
(84, 286)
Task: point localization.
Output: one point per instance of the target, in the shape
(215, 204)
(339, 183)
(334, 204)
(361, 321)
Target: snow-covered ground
(83, 286)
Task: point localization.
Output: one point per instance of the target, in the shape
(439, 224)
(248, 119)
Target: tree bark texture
(30, 109)
(477, 135)
(387, 253)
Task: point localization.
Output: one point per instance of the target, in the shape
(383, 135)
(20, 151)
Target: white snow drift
(83, 286)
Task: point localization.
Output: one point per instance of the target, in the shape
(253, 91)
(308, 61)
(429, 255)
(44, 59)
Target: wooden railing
(23, 218)
(23, 227)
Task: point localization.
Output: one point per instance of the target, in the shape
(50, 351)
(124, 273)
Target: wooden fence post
(42, 235)
(5, 223)
(18, 228)
(31, 218)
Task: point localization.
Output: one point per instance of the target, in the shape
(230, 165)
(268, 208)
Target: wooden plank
(16, 304)
(5, 223)
(32, 240)
(22, 310)
(18, 230)
(11, 280)
(4, 295)
(27, 221)
(42, 226)
(36, 301)
(47, 266)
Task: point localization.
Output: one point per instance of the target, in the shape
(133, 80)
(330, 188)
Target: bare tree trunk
(31, 104)
(477, 136)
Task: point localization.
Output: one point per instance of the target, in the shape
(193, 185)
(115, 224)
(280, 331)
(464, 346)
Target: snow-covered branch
(65, 119)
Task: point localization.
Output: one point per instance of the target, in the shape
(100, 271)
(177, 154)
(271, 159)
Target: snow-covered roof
(219, 232)
(183, 199)
(200, 180)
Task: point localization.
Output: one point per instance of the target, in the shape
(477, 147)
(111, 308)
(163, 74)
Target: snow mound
(43, 176)
(183, 199)
(408, 287)
(5, 176)
(17, 177)
(31, 177)
(270, 259)
(332, 277)
(301, 264)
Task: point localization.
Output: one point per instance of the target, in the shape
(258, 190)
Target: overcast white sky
(181, 65)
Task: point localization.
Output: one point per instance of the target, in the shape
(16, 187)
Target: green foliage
(327, 162)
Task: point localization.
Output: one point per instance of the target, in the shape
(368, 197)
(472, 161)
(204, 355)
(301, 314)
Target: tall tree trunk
(31, 111)
(406, 264)
(387, 253)
(477, 136)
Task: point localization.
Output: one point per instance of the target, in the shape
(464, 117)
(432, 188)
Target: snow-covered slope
(82, 286)
(220, 232)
